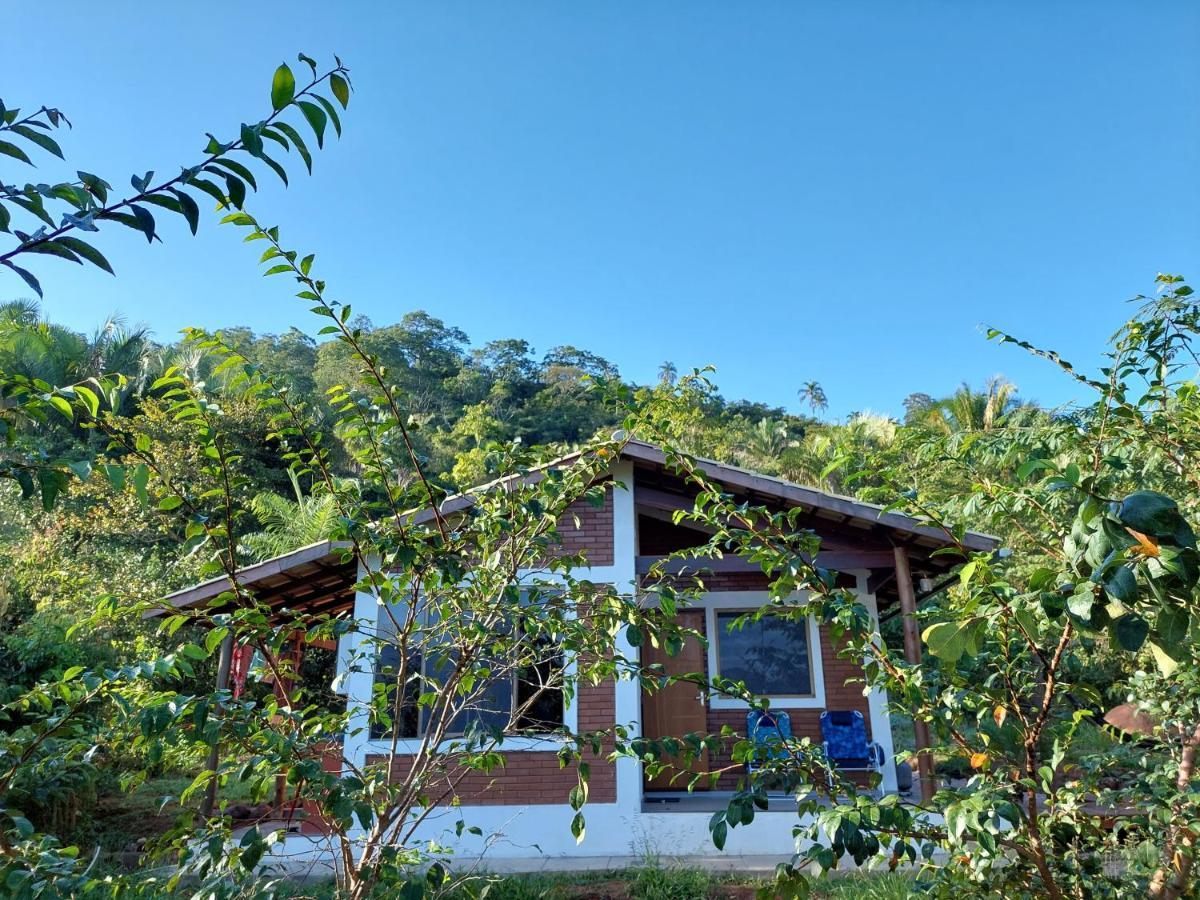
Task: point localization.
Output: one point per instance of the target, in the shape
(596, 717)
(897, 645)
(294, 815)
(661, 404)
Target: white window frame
(370, 746)
(744, 601)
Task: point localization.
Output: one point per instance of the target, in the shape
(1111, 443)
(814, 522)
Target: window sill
(549, 743)
(817, 702)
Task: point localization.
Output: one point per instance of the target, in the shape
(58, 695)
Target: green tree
(967, 409)
(812, 394)
(287, 524)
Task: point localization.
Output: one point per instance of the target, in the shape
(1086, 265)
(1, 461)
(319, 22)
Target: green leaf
(252, 140)
(1122, 585)
(273, 134)
(301, 148)
(948, 641)
(236, 190)
(63, 406)
(26, 276)
(720, 833)
(340, 88)
(237, 169)
(1180, 563)
(1171, 626)
(316, 120)
(190, 210)
(6, 217)
(52, 248)
(278, 169)
(1151, 513)
(1080, 605)
(23, 826)
(52, 482)
(145, 221)
(89, 398)
(95, 185)
(283, 88)
(209, 188)
(331, 111)
(166, 504)
(578, 827)
(33, 204)
(42, 140)
(251, 855)
(1130, 631)
(214, 637)
(1167, 664)
(88, 252)
(14, 151)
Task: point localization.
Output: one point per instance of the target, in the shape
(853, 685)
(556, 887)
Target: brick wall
(594, 533)
(531, 777)
(805, 722)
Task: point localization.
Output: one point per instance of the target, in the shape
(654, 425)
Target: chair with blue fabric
(844, 733)
(767, 731)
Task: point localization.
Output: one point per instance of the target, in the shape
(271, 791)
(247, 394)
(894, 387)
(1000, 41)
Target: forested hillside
(460, 398)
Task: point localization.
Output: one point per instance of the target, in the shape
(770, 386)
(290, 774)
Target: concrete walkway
(749, 866)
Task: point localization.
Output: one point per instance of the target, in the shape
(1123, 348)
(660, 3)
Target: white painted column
(356, 674)
(629, 695)
(877, 700)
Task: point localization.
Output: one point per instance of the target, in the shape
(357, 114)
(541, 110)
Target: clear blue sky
(839, 191)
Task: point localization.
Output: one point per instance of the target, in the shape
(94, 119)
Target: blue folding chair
(844, 733)
(768, 731)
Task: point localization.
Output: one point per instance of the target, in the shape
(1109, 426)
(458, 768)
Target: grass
(672, 883)
(647, 883)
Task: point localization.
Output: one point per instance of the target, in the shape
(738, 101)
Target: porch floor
(711, 801)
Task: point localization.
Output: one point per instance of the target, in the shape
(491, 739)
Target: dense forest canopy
(460, 398)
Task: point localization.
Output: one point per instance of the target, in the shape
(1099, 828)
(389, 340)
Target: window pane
(543, 704)
(430, 658)
(770, 655)
(387, 667)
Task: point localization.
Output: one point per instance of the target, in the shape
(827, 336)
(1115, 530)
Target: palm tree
(813, 394)
(36, 348)
(766, 441)
(970, 410)
(667, 373)
(827, 453)
(288, 525)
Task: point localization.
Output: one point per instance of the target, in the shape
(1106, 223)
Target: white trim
(722, 600)
(357, 680)
(877, 700)
(547, 742)
(628, 701)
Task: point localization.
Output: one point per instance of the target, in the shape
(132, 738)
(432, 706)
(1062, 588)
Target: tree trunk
(1173, 876)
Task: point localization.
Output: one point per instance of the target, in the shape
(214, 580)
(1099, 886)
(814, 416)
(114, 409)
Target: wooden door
(679, 708)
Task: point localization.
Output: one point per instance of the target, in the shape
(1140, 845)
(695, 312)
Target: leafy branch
(228, 177)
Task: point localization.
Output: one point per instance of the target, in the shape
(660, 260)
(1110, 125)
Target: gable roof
(822, 503)
(744, 481)
(320, 576)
